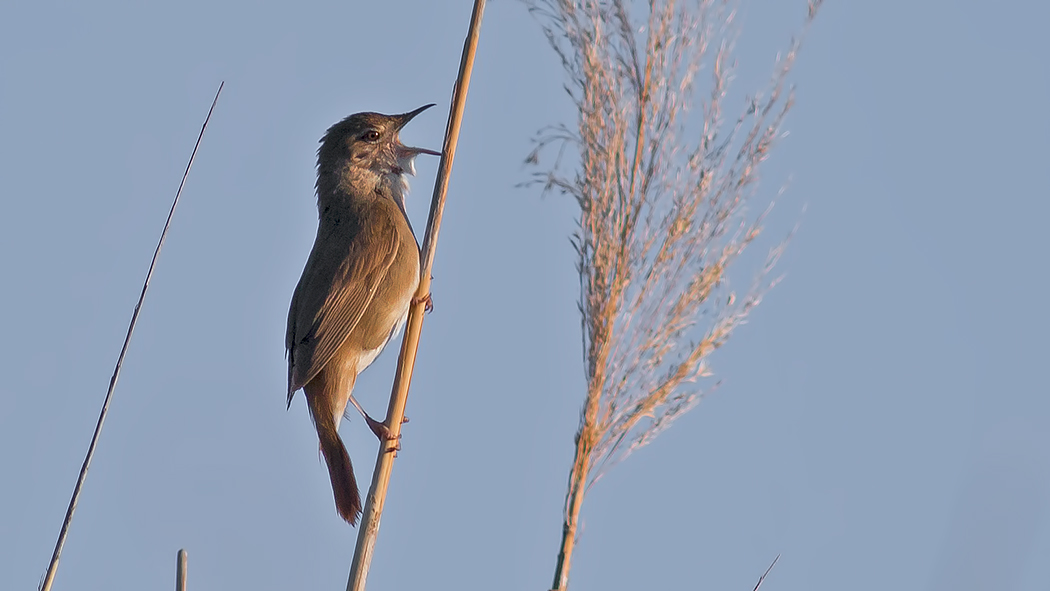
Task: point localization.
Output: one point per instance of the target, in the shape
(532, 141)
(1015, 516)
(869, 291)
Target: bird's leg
(368, 419)
(378, 427)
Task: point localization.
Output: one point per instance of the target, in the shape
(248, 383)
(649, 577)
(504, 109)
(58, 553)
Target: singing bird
(358, 282)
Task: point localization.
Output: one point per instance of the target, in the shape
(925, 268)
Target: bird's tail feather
(340, 470)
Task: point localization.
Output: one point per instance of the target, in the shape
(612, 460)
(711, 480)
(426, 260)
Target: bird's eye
(371, 135)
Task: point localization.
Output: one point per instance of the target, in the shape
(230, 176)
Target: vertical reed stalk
(373, 510)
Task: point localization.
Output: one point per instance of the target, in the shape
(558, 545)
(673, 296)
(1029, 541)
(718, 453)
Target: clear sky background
(883, 417)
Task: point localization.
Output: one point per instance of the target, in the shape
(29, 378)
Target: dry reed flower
(665, 211)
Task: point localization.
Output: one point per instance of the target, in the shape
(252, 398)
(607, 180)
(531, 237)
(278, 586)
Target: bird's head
(363, 153)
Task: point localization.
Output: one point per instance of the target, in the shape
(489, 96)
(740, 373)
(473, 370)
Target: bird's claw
(396, 447)
(427, 300)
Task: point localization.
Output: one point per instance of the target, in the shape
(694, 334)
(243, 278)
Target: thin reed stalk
(373, 510)
(762, 579)
(52, 569)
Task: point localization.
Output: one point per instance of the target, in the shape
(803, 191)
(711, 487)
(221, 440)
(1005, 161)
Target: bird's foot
(379, 429)
(383, 433)
(429, 301)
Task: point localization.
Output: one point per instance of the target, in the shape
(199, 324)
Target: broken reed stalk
(369, 527)
(52, 568)
(180, 570)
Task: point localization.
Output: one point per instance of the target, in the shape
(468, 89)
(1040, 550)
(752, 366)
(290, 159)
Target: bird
(359, 280)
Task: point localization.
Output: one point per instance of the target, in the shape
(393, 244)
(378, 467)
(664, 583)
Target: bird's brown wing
(339, 281)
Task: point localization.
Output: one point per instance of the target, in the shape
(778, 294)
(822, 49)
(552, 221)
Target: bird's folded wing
(338, 285)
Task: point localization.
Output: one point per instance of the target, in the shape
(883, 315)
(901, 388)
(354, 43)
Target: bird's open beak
(409, 151)
(406, 151)
(404, 118)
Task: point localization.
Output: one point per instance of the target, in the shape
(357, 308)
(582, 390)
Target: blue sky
(882, 418)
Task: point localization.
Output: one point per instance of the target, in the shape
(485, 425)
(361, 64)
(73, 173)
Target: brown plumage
(358, 282)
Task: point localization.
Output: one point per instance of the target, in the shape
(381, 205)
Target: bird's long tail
(340, 470)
